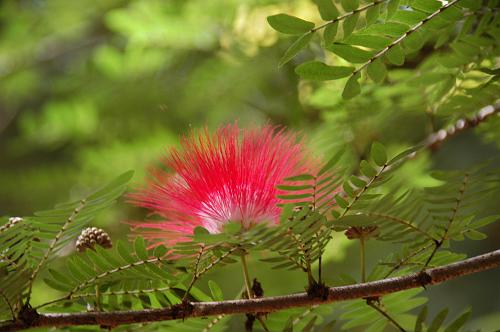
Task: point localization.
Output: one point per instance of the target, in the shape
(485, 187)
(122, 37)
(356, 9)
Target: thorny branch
(378, 288)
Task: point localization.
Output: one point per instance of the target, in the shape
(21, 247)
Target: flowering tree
(259, 196)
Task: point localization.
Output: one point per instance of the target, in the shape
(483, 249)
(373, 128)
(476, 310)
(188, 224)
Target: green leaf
(232, 227)
(352, 87)
(288, 325)
(140, 248)
(349, 5)
(408, 17)
(356, 220)
(458, 322)
(341, 202)
(315, 70)
(372, 14)
(438, 321)
(367, 169)
(403, 155)
(330, 33)
(392, 6)
(470, 4)
(392, 29)
(350, 53)
(60, 277)
(57, 285)
(330, 163)
(310, 325)
(427, 6)
(294, 197)
(295, 48)
(199, 295)
(215, 290)
(378, 154)
(329, 327)
(475, 235)
(414, 41)
(422, 316)
(301, 177)
(200, 231)
(370, 41)
(376, 71)
(348, 189)
(124, 252)
(294, 188)
(327, 9)
(349, 24)
(484, 221)
(117, 182)
(290, 25)
(395, 55)
(357, 181)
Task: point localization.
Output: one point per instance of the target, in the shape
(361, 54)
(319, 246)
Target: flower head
(230, 176)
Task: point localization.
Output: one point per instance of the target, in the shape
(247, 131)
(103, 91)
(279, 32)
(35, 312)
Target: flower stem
(362, 258)
(248, 286)
(97, 297)
(246, 275)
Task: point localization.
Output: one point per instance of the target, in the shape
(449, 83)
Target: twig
(405, 35)
(362, 258)
(433, 276)
(195, 273)
(346, 15)
(434, 140)
(386, 315)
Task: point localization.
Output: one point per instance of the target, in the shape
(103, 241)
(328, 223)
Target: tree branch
(267, 304)
(434, 140)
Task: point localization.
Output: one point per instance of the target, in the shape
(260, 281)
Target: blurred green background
(90, 89)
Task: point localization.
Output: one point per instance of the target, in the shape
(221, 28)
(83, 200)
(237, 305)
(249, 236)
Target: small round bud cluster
(11, 223)
(90, 237)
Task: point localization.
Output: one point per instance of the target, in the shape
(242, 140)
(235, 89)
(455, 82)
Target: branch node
(424, 278)
(182, 310)
(372, 299)
(318, 290)
(257, 291)
(28, 315)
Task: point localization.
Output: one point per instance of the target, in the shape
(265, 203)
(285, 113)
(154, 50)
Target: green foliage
(398, 305)
(30, 244)
(119, 83)
(386, 33)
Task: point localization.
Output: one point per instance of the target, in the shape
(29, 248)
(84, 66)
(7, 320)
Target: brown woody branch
(258, 305)
(434, 140)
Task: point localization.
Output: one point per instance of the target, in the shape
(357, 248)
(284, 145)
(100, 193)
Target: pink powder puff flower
(230, 176)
